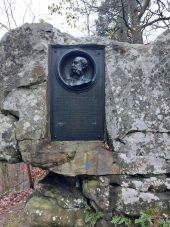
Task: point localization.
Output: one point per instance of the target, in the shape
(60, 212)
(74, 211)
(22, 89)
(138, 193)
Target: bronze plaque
(76, 92)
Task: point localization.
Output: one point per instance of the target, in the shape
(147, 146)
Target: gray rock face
(30, 107)
(23, 63)
(8, 147)
(61, 202)
(133, 194)
(144, 152)
(137, 123)
(137, 105)
(126, 194)
(53, 206)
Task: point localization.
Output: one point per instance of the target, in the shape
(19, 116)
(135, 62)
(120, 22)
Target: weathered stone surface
(59, 203)
(144, 152)
(8, 143)
(69, 158)
(137, 124)
(104, 223)
(90, 158)
(123, 194)
(137, 103)
(98, 191)
(131, 201)
(46, 154)
(131, 194)
(136, 85)
(23, 56)
(29, 105)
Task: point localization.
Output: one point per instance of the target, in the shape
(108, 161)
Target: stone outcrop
(130, 174)
(57, 203)
(137, 96)
(123, 193)
(8, 147)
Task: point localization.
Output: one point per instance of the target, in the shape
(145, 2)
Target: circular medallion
(77, 70)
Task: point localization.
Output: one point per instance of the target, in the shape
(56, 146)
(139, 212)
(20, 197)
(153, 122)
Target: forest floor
(12, 203)
(12, 209)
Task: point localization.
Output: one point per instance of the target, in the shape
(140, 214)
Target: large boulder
(134, 167)
(53, 206)
(137, 106)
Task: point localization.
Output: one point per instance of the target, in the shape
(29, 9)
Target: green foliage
(42, 21)
(144, 220)
(165, 223)
(65, 8)
(121, 19)
(118, 220)
(153, 217)
(92, 217)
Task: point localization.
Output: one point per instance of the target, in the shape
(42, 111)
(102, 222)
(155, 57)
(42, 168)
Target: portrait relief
(77, 71)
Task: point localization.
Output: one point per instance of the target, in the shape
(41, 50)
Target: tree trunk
(88, 24)
(135, 23)
(122, 20)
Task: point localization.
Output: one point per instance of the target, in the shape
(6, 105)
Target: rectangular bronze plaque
(76, 87)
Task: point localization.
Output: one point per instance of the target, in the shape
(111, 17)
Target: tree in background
(8, 10)
(75, 10)
(127, 20)
(87, 8)
(124, 20)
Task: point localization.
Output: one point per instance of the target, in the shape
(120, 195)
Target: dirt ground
(12, 209)
(12, 204)
(13, 216)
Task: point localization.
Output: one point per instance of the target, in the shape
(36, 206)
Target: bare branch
(12, 14)
(144, 7)
(4, 26)
(25, 12)
(124, 15)
(7, 14)
(154, 21)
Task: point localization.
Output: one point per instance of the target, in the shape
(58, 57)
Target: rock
(69, 158)
(8, 143)
(29, 105)
(98, 191)
(143, 183)
(59, 203)
(23, 60)
(127, 195)
(144, 152)
(49, 155)
(136, 162)
(131, 194)
(104, 223)
(137, 71)
(90, 158)
(137, 105)
(131, 202)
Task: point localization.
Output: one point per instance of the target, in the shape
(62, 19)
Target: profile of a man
(79, 72)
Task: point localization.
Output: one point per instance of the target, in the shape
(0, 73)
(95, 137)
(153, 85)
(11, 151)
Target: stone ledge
(90, 158)
(70, 158)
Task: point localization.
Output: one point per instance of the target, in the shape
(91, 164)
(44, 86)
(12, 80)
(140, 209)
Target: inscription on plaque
(76, 92)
